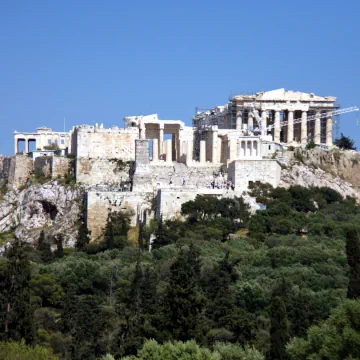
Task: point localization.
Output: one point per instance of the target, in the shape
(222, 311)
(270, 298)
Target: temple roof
(285, 95)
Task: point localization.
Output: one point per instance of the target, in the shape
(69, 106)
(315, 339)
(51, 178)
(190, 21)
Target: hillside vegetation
(281, 284)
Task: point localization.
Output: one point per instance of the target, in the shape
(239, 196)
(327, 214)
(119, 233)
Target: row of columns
(290, 126)
(16, 148)
(248, 148)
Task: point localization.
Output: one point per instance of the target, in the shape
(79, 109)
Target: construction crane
(299, 120)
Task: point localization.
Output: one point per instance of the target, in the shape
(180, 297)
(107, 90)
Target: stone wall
(241, 172)
(165, 175)
(60, 166)
(43, 164)
(99, 203)
(101, 171)
(169, 201)
(93, 142)
(20, 170)
(5, 164)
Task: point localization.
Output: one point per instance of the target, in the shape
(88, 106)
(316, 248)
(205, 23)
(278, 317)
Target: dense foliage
(219, 285)
(344, 142)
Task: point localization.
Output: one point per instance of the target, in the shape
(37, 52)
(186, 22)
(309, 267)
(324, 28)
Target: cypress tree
(279, 334)
(44, 249)
(353, 258)
(83, 237)
(183, 305)
(19, 319)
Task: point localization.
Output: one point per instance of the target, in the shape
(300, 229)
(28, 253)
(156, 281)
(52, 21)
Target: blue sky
(98, 61)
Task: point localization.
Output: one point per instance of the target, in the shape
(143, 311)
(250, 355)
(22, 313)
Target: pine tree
(353, 258)
(279, 334)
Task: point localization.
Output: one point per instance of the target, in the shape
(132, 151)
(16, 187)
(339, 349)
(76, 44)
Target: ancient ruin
(226, 149)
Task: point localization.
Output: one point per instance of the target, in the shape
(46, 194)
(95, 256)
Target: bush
(18, 351)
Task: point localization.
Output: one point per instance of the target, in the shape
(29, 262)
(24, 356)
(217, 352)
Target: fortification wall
(20, 170)
(241, 172)
(93, 142)
(5, 164)
(169, 201)
(101, 171)
(165, 175)
(99, 203)
(60, 166)
(43, 164)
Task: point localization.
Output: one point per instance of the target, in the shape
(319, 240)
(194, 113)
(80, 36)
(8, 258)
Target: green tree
(45, 287)
(117, 227)
(344, 142)
(19, 318)
(83, 237)
(19, 350)
(189, 350)
(335, 339)
(279, 335)
(44, 249)
(352, 234)
(183, 304)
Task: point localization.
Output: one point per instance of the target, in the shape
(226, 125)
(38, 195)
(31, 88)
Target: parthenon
(265, 112)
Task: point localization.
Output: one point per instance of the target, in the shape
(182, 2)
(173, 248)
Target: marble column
(168, 150)
(142, 131)
(202, 151)
(26, 146)
(238, 120)
(161, 139)
(255, 150)
(219, 149)
(290, 127)
(264, 124)
(277, 127)
(317, 133)
(214, 146)
(189, 152)
(16, 144)
(250, 121)
(329, 125)
(155, 150)
(304, 128)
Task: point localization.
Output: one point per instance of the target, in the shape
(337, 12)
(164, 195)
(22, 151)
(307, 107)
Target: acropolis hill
(252, 138)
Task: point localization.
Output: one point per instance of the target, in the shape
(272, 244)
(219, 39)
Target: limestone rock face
(52, 207)
(338, 170)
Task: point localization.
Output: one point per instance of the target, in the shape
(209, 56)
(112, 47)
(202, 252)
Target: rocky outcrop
(335, 169)
(51, 207)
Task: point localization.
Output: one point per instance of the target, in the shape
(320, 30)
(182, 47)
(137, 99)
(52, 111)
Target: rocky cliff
(336, 169)
(54, 208)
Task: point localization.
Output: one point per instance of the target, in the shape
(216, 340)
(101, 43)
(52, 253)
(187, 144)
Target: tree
(335, 339)
(279, 335)
(19, 318)
(83, 237)
(44, 248)
(52, 146)
(344, 142)
(183, 305)
(117, 227)
(15, 351)
(177, 350)
(352, 234)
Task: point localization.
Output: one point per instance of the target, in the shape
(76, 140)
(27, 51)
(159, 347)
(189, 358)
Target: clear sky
(98, 61)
